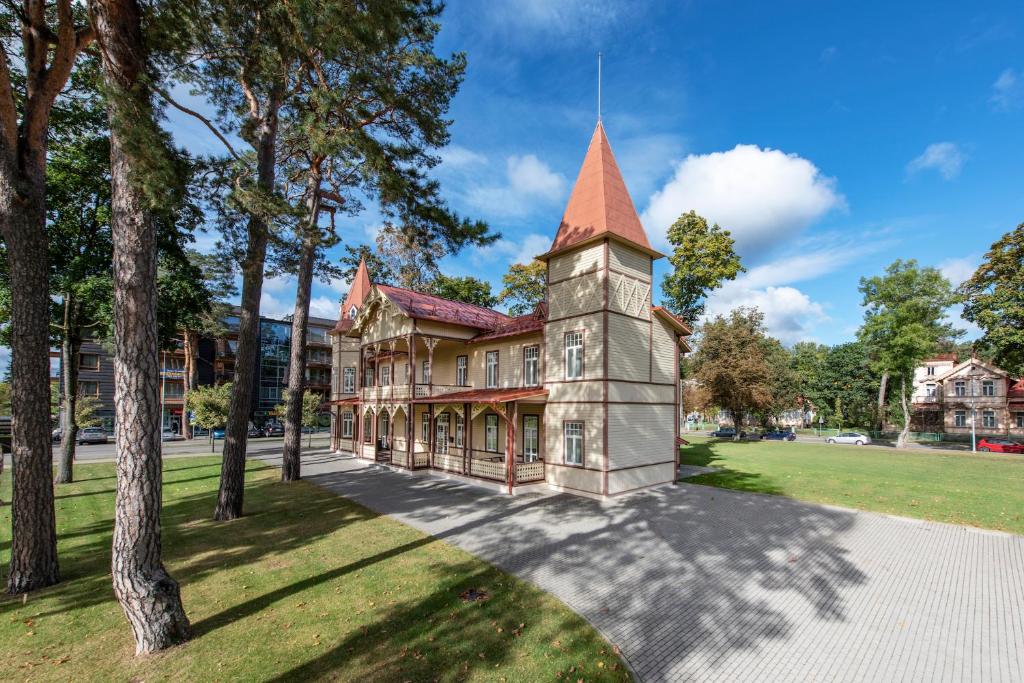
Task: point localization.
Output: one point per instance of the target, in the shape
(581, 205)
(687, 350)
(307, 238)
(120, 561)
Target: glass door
(442, 433)
(531, 437)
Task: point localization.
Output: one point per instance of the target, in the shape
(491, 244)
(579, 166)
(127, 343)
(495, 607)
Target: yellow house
(582, 395)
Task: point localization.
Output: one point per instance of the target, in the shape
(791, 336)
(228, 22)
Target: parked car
(273, 429)
(779, 435)
(855, 438)
(218, 433)
(91, 435)
(56, 434)
(255, 432)
(724, 433)
(171, 435)
(1000, 446)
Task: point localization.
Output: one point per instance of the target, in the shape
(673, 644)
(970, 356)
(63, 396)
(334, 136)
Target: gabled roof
(1016, 392)
(429, 307)
(966, 364)
(682, 328)
(357, 294)
(600, 205)
(524, 324)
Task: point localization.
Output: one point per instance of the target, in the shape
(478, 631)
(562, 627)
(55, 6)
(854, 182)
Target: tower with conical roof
(610, 358)
(345, 362)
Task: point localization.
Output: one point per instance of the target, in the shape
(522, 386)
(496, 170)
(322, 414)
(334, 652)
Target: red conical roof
(354, 299)
(599, 205)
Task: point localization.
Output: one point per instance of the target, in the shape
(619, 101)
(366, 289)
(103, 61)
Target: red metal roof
(941, 357)
(1016, 391)
(485, 396)
(429, 307)
(524, 324)
(343, 401)
(600, 204)
(673, 320)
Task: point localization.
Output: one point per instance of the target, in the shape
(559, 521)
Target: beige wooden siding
(579, 295)
(639, 435)
(644, 393)
(628, 260)
(577, 262)
(386, 324)
(574, 479)
(629, 342)
(629, 295)
(629, 480)
(665, 369)
(586, 390)
(510, 361)
(554, 357)
(592, 415)
(429, 327)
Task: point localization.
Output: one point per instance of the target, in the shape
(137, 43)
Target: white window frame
(368, 427)
(426, 372)
(574, 354)
(347, 425)
(929, 389)
(462, 371)
(960, 418)
(385, 375)
(460, 431)
(531, 438)
(988, 387)
(960, 388)
(425, 427)
(492, 369)
(348, 380)
(491, 433)
(988, 419)
(931, 371)
(442, 420)
(1020, 419)
(573, 443)
(531, 366)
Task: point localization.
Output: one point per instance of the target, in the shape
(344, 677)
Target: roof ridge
(441, 298)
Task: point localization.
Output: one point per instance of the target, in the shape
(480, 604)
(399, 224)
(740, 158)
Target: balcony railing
(402, 392)
(529, 471)
(426, 391)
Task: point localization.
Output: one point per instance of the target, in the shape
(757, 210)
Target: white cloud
(1008, 90)
(569, 22)
(528, 179)
(956, 270)
(828, 54)
(944, 157)
(521, 251)
(323, 307)
(761, 195)
(789, 314)
(456, 156)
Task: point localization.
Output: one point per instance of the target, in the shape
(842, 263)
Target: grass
(307, 586)
(983, 490)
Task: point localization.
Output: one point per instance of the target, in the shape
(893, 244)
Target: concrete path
(697, 583)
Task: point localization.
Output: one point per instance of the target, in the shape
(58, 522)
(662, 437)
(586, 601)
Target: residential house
(950, 398)
(581, 395)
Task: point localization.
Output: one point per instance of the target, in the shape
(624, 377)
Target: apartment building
(581, 395)
(951, 398)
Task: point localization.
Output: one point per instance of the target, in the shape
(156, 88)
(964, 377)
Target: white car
(91, 435)
(169, 435)
(855, 438)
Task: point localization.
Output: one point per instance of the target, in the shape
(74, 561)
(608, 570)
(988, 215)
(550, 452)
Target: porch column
(409, 440)
(467, 438)
(373, 433)
(510, 443)
(335, 427)
(430, 431)
(393, 379)
(412, 365)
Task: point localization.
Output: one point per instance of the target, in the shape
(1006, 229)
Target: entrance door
(531, 437)
(441, 446)
(384, 432)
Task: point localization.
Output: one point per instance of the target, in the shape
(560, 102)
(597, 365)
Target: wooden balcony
(404, 392)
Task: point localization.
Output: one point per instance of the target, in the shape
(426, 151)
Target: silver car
(855, 438)
(91, 435)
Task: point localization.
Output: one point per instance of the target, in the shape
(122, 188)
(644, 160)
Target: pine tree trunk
(191, 346)
(149, 596)
(69, 376)
(882, 386)
(23, 222)
(290, 466)
(901, 442)
(236, 433)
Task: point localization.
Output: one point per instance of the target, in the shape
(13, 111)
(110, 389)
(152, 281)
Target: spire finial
(598, 87)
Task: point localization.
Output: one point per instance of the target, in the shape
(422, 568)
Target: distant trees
(467, 289)
(993, 299)
(904, 322)
(523, 287)
(702, 259)
(209, 406)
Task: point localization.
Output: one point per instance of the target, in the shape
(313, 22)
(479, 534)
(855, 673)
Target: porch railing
(448, 463)
(421, 459)
(488, 469)
(426, 391)
(400, 458)
(529, 471)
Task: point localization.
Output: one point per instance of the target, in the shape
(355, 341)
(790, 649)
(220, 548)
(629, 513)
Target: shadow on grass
(708, 454)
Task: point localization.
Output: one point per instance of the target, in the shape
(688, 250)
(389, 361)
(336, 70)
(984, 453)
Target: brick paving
(697, 583)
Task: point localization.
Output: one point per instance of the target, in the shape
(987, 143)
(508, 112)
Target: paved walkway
(693, 582)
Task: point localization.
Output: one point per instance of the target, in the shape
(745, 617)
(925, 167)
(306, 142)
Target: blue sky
(830, 137)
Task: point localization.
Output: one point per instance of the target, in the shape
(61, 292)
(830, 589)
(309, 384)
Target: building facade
(581, 395)
(954, 398)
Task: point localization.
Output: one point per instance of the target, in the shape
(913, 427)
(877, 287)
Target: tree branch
(209, 124)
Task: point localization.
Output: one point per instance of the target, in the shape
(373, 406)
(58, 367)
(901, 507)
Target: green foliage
(838, 381)
(85, 412)
(993, 299)
(377, 268)
(905, 318)
(467, 289)
(735, 363)
(523, 287)
(783, 381)
(311, 403)
(209, 405)
(702, 259)
(5, 398)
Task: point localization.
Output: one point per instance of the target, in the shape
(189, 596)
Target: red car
(1000, 446)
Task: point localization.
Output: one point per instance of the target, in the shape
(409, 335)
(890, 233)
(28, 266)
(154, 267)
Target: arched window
(353, 312)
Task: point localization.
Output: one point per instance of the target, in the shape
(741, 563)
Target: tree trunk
(881, 401)
(69, 349)
(191, 347)
(901, 442)
(232, 473)
(149, 596)
(290, 465)
(23, 222)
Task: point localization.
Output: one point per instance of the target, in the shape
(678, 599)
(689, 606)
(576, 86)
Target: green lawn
(307, 586)
(985, 490)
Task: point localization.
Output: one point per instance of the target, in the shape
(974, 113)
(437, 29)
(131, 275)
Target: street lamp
(974, 413)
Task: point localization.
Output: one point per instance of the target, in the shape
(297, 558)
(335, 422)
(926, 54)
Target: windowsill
(572, 464)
